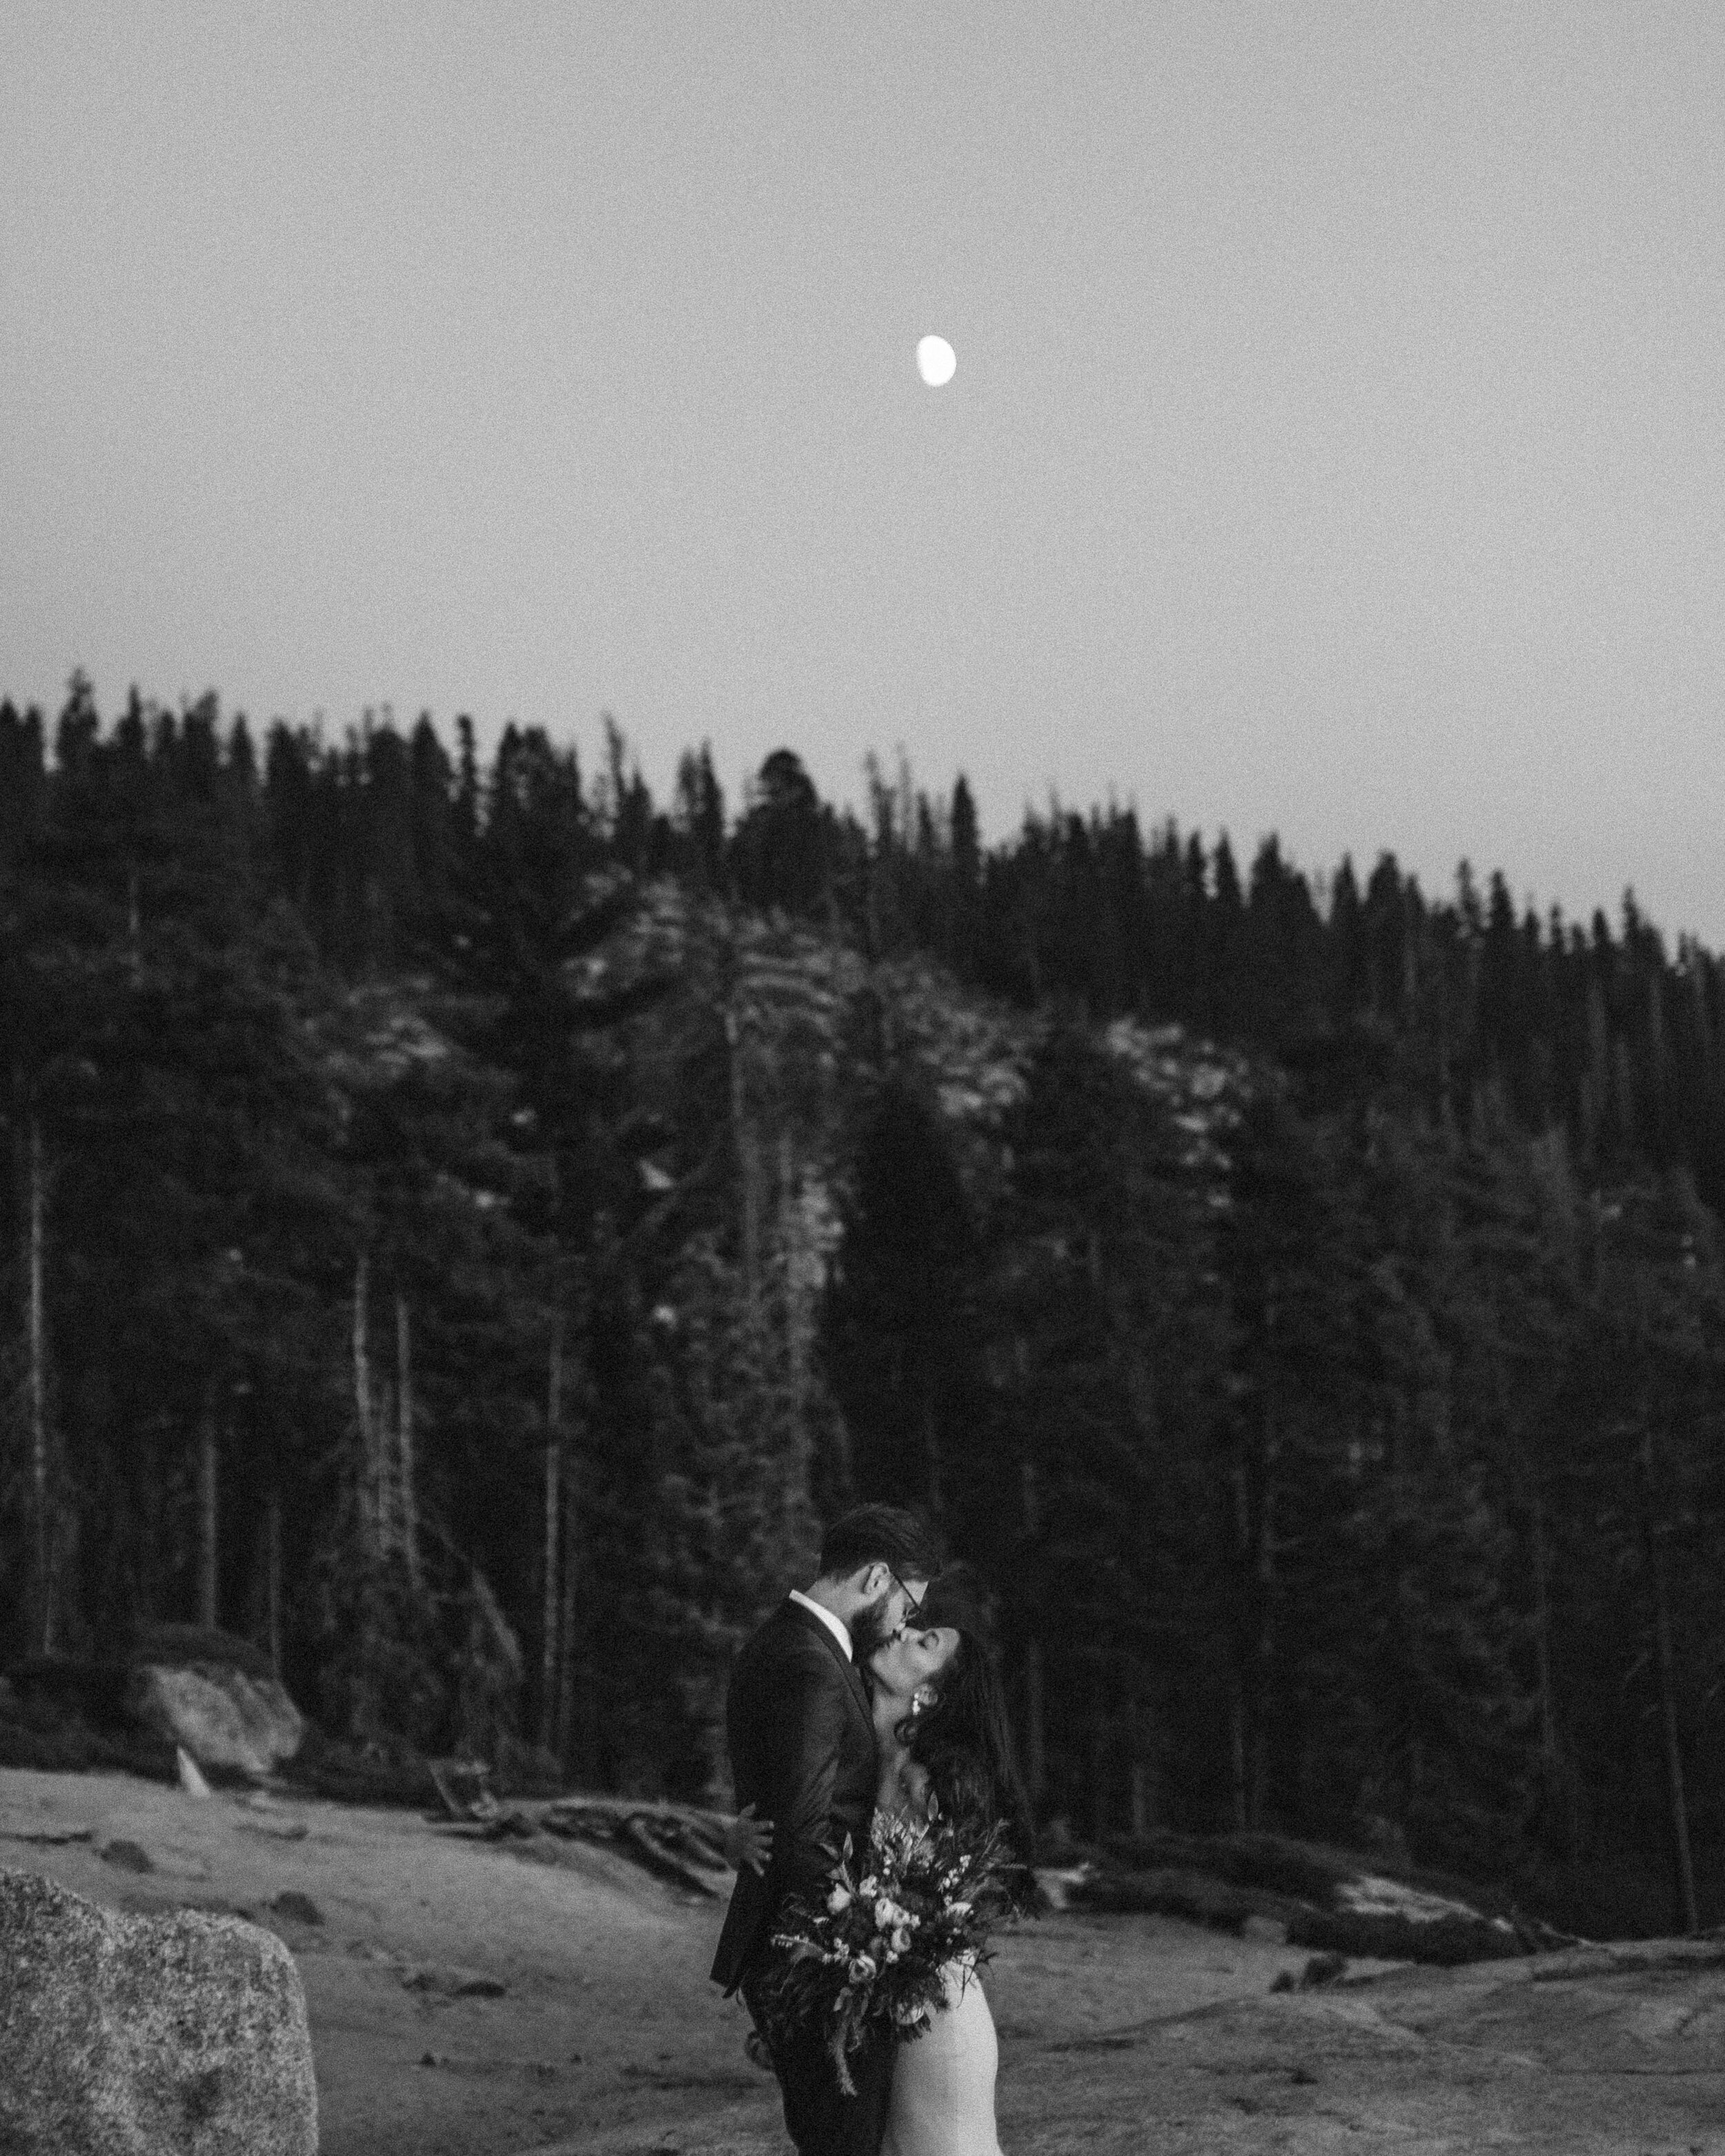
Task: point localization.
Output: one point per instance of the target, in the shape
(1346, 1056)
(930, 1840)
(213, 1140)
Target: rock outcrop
(223, 1716)
(1313, 1895)
(183, 2035)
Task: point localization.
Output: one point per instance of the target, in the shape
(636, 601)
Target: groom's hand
(748, 1841)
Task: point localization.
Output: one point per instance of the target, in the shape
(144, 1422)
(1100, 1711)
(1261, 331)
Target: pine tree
(900, 1329)
(1105, 1344)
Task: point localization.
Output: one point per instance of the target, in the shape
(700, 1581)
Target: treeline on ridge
(465, 1228)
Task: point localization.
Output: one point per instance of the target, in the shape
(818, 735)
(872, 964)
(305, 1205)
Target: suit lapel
(853, 1676)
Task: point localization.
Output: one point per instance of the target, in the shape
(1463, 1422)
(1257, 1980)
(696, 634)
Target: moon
(936, 360)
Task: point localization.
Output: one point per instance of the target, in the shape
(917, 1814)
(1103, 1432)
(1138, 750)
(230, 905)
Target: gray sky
(1336, 445)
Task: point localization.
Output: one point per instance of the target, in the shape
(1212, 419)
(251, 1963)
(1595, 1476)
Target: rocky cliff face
(808, 1028)
(811, 1027)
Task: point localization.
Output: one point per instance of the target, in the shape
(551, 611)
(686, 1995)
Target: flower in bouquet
(871, 1949)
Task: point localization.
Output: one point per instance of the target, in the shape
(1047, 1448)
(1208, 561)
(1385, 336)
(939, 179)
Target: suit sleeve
(802, 1765)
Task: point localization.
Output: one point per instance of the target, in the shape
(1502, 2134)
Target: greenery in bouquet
(874, 1950)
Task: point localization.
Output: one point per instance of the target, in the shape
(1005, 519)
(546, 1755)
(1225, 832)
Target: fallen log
(682, 1843)
(1588, 1958)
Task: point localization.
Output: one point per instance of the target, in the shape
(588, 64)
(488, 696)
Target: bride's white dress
(942, 2101)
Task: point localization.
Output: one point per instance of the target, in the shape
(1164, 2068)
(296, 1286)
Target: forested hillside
(465, 1228)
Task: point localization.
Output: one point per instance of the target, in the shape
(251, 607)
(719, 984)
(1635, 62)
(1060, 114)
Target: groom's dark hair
(879, 1534)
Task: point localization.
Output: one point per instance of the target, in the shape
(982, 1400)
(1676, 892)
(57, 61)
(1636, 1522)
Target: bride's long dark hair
(963, 1740)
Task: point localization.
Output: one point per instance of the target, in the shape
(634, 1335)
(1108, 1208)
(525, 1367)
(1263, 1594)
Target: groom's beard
(869, 1632)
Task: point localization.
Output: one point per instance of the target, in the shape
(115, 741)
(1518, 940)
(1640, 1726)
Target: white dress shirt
(835, 1625)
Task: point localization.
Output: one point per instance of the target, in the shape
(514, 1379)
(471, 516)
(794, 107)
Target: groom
(802, 1745)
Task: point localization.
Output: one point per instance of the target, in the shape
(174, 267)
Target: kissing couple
(872, 1692)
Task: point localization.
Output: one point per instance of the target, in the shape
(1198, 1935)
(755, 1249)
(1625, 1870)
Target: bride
(940, 1726)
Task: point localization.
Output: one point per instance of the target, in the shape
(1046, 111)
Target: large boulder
(183, 2035)
(222, 1715)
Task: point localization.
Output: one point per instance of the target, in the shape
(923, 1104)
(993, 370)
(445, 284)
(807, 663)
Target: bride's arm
(903, 1787)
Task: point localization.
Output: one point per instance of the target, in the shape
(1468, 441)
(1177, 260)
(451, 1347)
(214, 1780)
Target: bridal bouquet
(873, 1951)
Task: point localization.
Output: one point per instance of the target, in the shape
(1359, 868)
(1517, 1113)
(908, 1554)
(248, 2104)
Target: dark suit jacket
(802, 1745)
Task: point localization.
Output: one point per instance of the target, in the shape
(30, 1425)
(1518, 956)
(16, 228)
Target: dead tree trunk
(553, 1504)
(1652, 1540)
(1035, 1723)
(935, 1483)
(408, 1528)
(1239, 1716)
(41, 1462)
(574, 1712)
(1559, 1780)
(1237, 1750)
(801, 1262)
(1542, 1631)
(1101, 1809)
(363, 1415)
(1035, 1704)
(272, 1579)
(386, 1505)
(134, 931)
(565, 1728)
(1141, 1741)
(748, 1160)
(1264, 1646)
(208, 1599)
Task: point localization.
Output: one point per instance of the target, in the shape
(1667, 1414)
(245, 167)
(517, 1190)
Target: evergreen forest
(467, 1223)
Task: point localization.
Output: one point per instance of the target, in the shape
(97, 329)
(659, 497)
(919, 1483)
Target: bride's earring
(921, 1702)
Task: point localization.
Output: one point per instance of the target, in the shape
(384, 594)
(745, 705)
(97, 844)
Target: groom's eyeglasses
(913, 1602)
